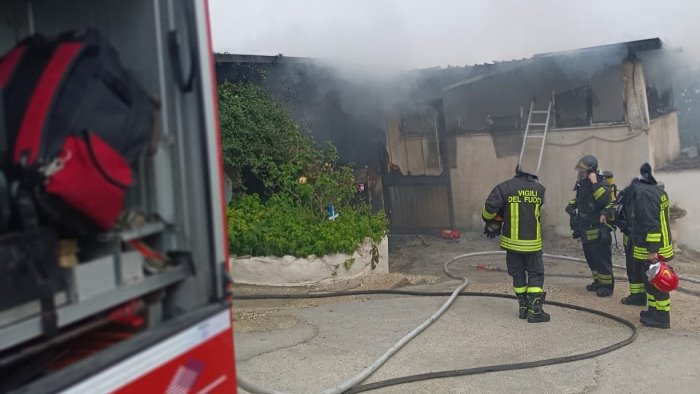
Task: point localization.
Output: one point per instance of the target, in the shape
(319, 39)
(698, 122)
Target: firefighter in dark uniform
(590, 211)
(652, 240)
(625, 222)
(512, 210)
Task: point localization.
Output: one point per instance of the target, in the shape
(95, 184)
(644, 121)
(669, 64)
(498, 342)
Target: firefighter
(652, 241)
(590, 211)
(512, 210)
(625, 222)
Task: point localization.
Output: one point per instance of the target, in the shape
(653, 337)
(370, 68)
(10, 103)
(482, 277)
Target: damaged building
(435, 141)
(612, 101)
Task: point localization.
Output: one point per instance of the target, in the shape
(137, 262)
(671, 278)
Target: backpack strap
(5, 208)
(39, 107)
(39, 253)
(9, 63)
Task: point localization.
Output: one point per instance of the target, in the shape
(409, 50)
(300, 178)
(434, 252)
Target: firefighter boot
(535, 314)
(593, 286)
(604, 291)
(522, 305)
(656, 319)
(651, 306)
(639, 299)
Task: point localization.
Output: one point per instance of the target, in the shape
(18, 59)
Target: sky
(405, 34)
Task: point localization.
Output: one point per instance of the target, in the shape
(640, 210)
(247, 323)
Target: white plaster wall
(683, 188)
(294, 271)
(479, 170)
(664, 139)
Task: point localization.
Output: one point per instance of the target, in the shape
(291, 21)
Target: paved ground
(306, 346)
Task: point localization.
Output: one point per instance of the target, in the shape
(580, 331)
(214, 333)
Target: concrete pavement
(319, 347)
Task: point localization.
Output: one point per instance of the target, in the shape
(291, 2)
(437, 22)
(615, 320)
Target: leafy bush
(280, 227)
(258, 134)
(300, 178)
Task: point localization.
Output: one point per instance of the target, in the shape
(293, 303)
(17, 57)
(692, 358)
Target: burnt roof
(649, 44)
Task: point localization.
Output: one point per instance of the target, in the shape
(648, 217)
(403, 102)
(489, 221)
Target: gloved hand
(492, 229)
(572, 210)
(575, 233)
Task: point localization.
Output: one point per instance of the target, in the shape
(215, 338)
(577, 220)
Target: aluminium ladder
(536, 129)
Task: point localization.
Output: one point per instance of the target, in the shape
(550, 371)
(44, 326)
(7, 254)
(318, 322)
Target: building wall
(664, 139)
(682, 188)
(478, 170)
(635, 95)
(620, 148)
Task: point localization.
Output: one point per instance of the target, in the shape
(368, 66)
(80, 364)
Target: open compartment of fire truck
(160, 268)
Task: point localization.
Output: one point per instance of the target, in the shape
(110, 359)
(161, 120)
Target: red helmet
(662, 276)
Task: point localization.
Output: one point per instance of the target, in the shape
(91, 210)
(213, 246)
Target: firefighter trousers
(656, 299)
(527, 271)
(635, 271)
(599, 258)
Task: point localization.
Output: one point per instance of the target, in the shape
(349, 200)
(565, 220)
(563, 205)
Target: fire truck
(142, 307)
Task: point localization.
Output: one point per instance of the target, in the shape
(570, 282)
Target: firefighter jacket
(651, 232)
(625, 211)
(590, 203)
(518, 201)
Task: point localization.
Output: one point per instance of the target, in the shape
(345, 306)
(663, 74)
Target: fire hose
(352, 385)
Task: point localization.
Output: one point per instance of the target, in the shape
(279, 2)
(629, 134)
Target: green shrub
(281, 227)
(300, 178)
(258, 134)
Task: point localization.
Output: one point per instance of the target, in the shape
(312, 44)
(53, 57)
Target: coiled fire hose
(352, 385)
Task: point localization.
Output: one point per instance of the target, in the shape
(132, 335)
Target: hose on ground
(369, 370)
(622, 267)
(352, 385)
(580, 260)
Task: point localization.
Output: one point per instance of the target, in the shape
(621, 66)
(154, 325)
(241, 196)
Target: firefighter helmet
(662, 276)
(588, 163)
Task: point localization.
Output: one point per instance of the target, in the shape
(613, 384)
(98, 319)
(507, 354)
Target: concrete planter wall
(289, 270)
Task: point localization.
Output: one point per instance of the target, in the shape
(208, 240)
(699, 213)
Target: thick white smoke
(415, 33)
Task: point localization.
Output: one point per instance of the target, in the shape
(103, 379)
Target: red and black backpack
(75, 121)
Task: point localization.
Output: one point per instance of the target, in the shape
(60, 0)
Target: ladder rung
(535, 136)
(538, 124)
(541, 112)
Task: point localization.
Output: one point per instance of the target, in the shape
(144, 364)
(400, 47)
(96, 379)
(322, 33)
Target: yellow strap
(599, 193)
(663, 303)
(640, 253)
(514, 221)
(651, 301)
(605, 279)
(486, 215)
(664, 228)
(654, 237)
(520, 290)
(537, 219)
(531, 290)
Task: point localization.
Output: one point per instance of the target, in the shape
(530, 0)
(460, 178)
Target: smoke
(407, 34)
(369, 44)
